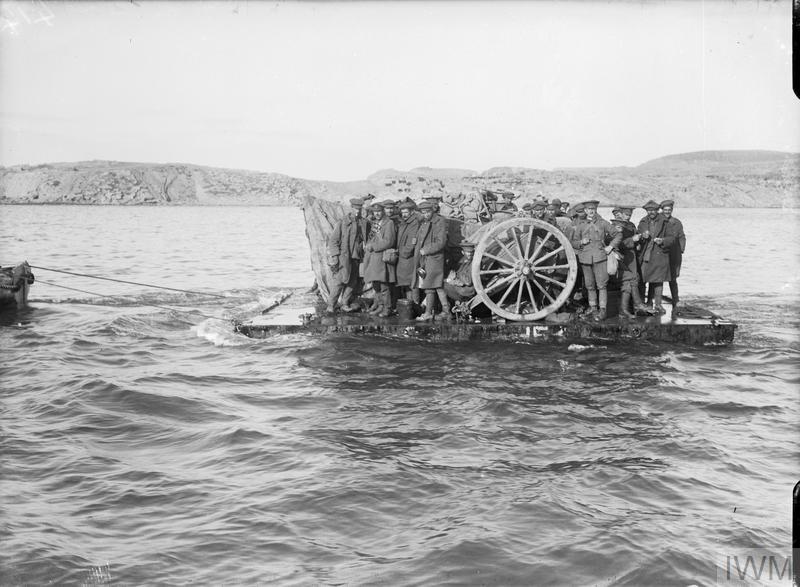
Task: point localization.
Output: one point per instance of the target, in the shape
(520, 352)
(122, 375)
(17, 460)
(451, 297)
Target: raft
(692, 326)
(524, 272)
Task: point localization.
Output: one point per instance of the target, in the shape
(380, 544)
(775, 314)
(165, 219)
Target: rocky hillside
(703, 179)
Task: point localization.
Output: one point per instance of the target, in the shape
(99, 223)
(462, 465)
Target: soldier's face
(591, 213)
(427, 214)
(626, 214)
(667, 211)
(468, 254)
(652, 213)
(405, 213)
(377, 213)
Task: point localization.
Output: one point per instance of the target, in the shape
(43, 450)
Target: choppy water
(144, 445)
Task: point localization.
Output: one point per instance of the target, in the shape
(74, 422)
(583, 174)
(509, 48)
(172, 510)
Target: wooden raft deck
(693, 326)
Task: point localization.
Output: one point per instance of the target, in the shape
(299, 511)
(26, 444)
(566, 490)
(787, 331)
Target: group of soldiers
(400, 249)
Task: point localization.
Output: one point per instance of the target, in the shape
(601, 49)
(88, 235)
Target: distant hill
(702, 179)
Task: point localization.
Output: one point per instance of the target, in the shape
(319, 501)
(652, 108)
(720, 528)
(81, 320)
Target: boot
(387, 304)
(377, 306)
(624, 304)
(346, 296)
(592, 303)
(601, 315)
(430, 300)
(657, 307)
(445, 315)
(638, 306)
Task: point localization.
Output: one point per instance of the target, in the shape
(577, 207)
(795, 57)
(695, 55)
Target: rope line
(94, 293)
(187, 291)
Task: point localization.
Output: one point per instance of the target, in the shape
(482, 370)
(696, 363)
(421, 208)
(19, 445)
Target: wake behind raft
(549, 317)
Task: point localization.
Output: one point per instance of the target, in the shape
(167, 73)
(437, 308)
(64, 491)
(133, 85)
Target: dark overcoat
(675, 238)
(431, 237)
(406, 233)
(346, 243)
(628, 269)
(383, 236)
(655, 258)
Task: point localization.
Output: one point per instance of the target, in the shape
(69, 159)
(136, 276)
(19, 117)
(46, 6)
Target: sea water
(144, 442)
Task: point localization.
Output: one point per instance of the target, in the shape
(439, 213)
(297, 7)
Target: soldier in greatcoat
(429, 260)
(345, 254)
(675, 232)
(628, 271)
(406, 240)
(655, 254)
(377, 270)
(593, 240)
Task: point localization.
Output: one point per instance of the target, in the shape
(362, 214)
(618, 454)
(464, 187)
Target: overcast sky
(339, 90)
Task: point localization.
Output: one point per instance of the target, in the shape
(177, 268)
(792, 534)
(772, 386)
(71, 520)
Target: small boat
(15, 282)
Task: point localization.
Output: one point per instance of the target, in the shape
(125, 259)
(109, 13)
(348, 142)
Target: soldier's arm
(681, 236)
(614, 235)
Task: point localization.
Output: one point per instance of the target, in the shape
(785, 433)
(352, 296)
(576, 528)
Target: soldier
(406, 239)
(577, 213)
(564, 207)
(628, 272)
(676, 249)
(655, 254)
(508, 204)
(527, 210)
(390, 211)
(458, 285)
(554, 208)
(380, 272)
(538, 209)
(345, 253)
(593, 240)
(429, 260)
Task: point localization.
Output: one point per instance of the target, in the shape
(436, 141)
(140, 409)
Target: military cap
(426, 205)
(538, 205)
(555, 202)
(591, 203)
(407, 204)
(565, 203)
(509, 195)
(527, 206)
(651, 205)
(466, 245)
(356, 202)
(376, 206)
(387, 204)
(667, 203)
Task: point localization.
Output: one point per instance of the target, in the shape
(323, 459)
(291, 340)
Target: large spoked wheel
(524, 269)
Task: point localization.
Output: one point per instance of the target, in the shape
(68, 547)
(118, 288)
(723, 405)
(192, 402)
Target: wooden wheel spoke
(548, 267)
(539, 246)
(519, 295)
(503, 271)
(499, 259)
(540, 276)
(548, 255)
(505, 295)
(530, 242)
(544, 291)
(518, 242)
(506, 249)
(497, 284)
(530, 293)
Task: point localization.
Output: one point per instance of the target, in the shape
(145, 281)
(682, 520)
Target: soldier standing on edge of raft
(676, 249)
(345, 253)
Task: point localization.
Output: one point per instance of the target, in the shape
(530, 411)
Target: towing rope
(94, 293)
(186, 291)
